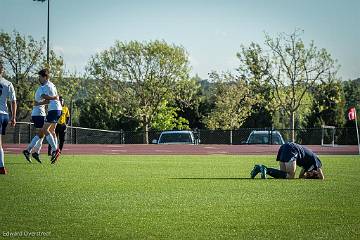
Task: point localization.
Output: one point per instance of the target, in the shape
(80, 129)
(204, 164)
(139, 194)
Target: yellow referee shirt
(65, 114)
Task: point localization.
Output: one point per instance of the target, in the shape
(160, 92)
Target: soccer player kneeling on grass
(290, 155)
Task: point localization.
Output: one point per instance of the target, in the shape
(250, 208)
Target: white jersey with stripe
(49, 89)
(6, 92)
(38, 110)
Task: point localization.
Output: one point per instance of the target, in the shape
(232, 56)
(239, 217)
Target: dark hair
(44, 73)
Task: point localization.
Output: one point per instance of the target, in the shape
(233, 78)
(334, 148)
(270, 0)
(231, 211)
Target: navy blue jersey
(303, 156)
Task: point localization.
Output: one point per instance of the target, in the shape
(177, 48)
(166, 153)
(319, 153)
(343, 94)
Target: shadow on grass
(222, 178)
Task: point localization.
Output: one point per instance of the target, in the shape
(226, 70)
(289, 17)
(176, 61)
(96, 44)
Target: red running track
(153, 149)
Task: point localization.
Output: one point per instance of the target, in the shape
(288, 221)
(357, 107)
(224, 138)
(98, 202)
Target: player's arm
(47, 97)
(12, 98)
(13, 113)
(320, 174)
(41, 103)
(302, 173)
(67, 117)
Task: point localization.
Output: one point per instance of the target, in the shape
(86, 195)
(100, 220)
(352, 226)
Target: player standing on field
(6, 92)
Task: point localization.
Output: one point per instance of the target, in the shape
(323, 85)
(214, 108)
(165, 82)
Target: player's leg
(36, 150)
(37, 139)
(290, 169)
(52, 118)
(282, 158)
(287, 162)
(49, 137)
(30, 147)
(2, 165)
(53, 133)
(61, 133)
(55, 136)
(4, 119)
(273, 172)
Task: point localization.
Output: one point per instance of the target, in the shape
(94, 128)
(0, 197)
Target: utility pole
(48, 30)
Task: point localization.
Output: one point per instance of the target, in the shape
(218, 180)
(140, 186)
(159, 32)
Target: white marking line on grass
(168, 151)
(218, 152)
(210, 147)
(116, 150)
(13, 148)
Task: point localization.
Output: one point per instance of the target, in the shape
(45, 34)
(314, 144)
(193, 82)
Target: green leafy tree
(328, 104)
(233, 102)
(253, 68)
(352, 93)
(189, 108)
(295, 69)
(140, 76)
(24, 57)
(167, 119)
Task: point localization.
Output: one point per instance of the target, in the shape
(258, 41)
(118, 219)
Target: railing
(24, 131)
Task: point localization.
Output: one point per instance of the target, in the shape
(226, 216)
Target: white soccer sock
(56, 142)
(51, 141)
(38, 145)
(1, 157)
(33, 143)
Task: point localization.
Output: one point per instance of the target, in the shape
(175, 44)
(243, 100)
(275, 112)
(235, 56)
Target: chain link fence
(23, 132)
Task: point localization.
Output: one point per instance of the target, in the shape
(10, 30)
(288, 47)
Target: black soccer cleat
(27, 155)
(36, 156)
(255, 171)
(55, 156)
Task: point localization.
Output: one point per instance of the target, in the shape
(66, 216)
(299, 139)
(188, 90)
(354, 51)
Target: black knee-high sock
(276, 173)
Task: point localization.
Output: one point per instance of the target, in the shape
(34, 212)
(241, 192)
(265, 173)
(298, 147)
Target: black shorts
(60, 128)
(287, 153)
(38, 121)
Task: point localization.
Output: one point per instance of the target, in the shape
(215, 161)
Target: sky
(211, 31)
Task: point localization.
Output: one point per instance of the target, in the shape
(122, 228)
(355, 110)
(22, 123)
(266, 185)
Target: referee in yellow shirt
(60, 129)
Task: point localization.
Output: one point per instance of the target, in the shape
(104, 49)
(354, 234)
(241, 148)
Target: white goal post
(328, 136)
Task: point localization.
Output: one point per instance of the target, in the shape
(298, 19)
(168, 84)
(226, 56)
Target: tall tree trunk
(146, 130)
(292, 125)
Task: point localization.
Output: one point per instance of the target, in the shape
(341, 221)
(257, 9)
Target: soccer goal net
(328, 136)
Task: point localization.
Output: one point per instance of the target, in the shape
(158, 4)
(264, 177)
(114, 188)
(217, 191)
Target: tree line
(282, 83)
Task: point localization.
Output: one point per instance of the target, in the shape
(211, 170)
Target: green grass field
(176, 197)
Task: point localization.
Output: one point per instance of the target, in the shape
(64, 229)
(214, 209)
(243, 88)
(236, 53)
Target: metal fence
(23, 133)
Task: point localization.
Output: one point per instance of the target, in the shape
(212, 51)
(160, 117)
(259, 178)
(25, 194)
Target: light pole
(48, 29)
